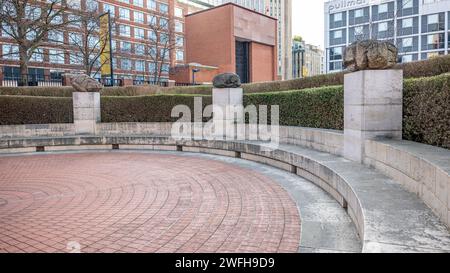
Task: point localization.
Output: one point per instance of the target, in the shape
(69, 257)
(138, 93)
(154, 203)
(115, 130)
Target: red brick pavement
(132, 202)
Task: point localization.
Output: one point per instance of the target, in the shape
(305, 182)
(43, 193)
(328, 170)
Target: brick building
(230, 38)
(129, 42)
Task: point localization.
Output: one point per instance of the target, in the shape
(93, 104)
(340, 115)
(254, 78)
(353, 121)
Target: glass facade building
(419, 28)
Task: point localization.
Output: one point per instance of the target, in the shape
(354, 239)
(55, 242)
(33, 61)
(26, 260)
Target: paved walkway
(135, 202)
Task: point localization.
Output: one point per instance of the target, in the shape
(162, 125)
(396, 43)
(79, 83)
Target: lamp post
(195, 70)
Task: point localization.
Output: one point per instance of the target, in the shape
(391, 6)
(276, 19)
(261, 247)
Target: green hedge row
(432, 67)
(156, 108)
(35, 110)
(426, 108)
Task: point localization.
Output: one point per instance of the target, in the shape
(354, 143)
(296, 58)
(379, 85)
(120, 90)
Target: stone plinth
(227, 108)
(372, 108)
(86, 111)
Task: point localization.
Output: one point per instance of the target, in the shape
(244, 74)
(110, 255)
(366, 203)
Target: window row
(383, 11)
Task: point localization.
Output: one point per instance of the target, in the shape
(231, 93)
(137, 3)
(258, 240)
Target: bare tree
(27, 23)
(162, 42)
(88, 43)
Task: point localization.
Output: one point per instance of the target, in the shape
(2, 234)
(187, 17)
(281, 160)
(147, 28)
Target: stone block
(442, 184)
(372, 109)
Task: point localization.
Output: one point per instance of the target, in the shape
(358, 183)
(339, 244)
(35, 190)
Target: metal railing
(107, 82)
(31, 80)
(148, 82)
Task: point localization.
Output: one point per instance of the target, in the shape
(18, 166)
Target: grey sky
(307, 20)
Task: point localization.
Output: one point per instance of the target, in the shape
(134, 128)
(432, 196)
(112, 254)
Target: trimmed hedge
(35, 110)
(426, 110)
(317, 108)
(432, 67)
(156, 108)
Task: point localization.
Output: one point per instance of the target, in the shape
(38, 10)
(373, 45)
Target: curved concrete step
(387, 217)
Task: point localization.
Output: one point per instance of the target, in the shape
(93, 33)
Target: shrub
(156, 108)
(35, 110)
(432, 67)
(426, 110)
(318, 107)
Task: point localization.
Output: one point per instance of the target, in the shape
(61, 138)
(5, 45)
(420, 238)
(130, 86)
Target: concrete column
(372, 108)
(86, 111)
(228, 109)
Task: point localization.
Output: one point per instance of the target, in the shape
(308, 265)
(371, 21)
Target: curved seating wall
(352, 185)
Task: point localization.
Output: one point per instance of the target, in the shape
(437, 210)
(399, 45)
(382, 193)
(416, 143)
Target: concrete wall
(421, 169)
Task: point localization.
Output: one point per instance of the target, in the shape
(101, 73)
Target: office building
(130, 42)
(307, 60)
(419, 28)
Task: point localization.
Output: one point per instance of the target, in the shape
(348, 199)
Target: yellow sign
(305, 71)
(105, 49)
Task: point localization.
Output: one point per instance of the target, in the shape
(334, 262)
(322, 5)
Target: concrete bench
(388, 217)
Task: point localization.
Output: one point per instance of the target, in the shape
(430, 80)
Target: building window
(165, 68)
(110, 8)
(151, 4)
(164, 53)
(383, 26)
(124, 14)
(126, 64)
(76, 58)
(91, 5)
(407, 22)
(383, 8)
(180, 55)
(139, 3)
(38, 55)
(125, 1)
(359, 13)
(433, 22)
(407, 42)
(359, 16)
(10, 52)
(335, 53)
(178, 12)
(407, 7)
(74, 4)
(75, 38)
(163, 38)
(55, 36)
(56, 56)
(163, 8)
(139, 33)
(139, 49)
(179, 41)
(152, 35)
(163, 23)
(125, 46)
(139, 17)
(152, 68)
(151, 19)
(140, 65)
(124, 30)
(407, 58)
(337, 37)
(178, 26)
(433, 41)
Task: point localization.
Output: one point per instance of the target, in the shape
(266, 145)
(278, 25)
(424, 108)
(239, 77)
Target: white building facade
(419, 28)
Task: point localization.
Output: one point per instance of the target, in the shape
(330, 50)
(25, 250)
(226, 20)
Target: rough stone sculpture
(370, 54)
(84, 83)
(227, 80)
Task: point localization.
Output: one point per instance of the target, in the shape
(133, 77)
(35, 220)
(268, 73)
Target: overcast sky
(307, 20)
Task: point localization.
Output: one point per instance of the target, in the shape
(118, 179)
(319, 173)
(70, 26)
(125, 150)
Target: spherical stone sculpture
(227, 80)
(84, 83)
(370, 54)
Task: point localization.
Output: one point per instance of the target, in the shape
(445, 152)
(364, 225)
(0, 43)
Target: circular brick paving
(136, 202)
